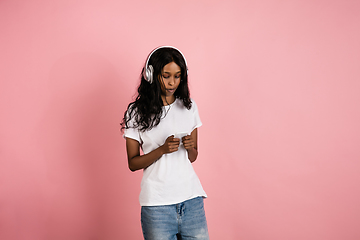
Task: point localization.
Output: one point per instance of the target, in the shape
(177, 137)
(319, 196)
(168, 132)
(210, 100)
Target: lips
(171, 90)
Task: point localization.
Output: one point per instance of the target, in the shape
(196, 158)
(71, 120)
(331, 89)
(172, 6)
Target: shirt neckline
(167, 106)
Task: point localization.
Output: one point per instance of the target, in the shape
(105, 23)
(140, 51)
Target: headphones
(148, 71)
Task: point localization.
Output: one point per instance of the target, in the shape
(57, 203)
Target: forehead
(171, 67)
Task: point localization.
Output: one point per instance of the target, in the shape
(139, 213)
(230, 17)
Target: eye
(166, 76)
(178, 76)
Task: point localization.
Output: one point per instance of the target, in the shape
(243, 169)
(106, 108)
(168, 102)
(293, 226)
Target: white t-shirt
(171, 179)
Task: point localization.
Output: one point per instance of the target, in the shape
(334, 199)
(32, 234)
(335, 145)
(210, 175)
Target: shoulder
(194, 106)
(130, 115)
(193, 109)
(131, 110)
(192, 101)
(180, 104)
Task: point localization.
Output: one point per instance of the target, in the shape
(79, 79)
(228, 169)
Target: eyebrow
(175, 73)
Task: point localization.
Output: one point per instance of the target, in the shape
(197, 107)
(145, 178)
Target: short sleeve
(197, 121)
(131, 131)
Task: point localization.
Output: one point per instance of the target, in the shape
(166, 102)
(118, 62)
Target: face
(170, 80)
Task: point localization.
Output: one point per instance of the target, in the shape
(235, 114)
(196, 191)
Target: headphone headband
(149, 69)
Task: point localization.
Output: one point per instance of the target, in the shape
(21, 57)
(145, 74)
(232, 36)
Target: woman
(163, 122)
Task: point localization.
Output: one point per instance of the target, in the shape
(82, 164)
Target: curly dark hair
(147, 109)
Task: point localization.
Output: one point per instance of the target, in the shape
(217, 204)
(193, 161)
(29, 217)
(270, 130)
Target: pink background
(278, 88)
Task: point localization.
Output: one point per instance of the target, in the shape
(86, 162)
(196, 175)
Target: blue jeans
(183, 221)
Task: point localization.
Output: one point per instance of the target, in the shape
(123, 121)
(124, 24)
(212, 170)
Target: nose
(171, 81)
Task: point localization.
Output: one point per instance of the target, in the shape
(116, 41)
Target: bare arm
(190, 144)
(137, 162)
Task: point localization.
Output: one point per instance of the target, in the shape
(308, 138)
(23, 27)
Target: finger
(174, 149)
(173, 145)
(175, 140)
(189, 145)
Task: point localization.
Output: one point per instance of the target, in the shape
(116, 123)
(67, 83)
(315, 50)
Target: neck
(168, 100)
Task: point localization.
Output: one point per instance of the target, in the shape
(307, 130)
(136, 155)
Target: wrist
(190, 150)
(161, 150)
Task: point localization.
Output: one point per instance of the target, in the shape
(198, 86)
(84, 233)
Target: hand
(171, 144)
(188, 142)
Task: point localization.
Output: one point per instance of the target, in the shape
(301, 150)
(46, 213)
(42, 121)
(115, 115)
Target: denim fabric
(183, 221)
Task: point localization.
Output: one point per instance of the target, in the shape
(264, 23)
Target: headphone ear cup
(149, 72)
